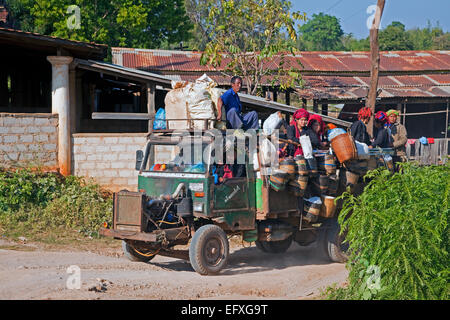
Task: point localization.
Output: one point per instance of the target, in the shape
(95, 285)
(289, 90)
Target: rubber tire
(261, 245)
(132, 255)
(276, 246)
(332, 242)
(198, 245)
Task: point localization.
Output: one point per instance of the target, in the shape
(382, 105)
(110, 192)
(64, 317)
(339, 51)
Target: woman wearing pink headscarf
(299, 127)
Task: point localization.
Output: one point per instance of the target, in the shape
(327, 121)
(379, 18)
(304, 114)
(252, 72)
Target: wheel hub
(213, 251)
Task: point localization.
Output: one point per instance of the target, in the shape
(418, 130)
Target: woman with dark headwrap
(299, 127)
(359, 128)
(382, 134)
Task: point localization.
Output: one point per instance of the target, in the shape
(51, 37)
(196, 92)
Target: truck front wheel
(209, 250)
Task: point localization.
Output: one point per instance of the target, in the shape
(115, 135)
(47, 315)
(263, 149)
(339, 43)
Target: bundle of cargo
(309, 178)
(193, 104)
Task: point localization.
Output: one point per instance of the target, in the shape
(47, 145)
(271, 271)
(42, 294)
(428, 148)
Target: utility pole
(375, 61)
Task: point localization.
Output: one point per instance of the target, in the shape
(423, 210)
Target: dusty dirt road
(300, 273)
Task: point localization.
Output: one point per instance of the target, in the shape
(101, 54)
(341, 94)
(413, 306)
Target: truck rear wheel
(334, 244)
(136, 255)
(209, 250)
(274, 246)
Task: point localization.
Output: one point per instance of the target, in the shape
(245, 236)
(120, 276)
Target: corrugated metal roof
(125, 72)
(344, 88)
(327, 75)
(392, 61)
(36, 41)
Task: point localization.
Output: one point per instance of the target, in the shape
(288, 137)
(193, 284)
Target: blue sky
(352, 13)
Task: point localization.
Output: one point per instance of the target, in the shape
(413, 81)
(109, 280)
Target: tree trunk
(375, 58)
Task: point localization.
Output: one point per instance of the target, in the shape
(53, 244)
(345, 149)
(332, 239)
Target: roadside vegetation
(48, 207)
(399, 237)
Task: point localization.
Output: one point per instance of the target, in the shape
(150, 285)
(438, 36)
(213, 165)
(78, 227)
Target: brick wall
(108, 158)
(29, 140)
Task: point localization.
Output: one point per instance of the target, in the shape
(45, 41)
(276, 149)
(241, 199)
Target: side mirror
(139, 158)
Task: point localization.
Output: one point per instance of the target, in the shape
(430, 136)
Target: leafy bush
(39, 202)
(398, 235)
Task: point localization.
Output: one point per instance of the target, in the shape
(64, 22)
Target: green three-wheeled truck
(182, 201)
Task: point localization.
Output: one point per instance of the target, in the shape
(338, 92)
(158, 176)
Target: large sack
(176, 105)
(199, 102)
(272, 122)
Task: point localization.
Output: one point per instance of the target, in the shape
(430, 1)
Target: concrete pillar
(61, 106)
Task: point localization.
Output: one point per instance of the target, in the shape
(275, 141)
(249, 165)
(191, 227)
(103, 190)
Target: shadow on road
(252, 260)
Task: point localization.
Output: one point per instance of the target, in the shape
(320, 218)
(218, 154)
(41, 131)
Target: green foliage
(131, 23)
(394, 37)
(248, 35)
(399, 225)
(40, 202)
(321, 33)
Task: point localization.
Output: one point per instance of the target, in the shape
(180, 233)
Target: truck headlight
(198, 207)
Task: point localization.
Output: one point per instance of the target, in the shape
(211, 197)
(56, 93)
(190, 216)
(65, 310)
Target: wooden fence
(429, 154)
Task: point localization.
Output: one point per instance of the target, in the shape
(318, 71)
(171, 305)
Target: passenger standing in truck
(298, 128)
(358, 129)
(399, 135)
(382, 134)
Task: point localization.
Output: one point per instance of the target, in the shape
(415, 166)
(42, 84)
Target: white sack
(362, 150)
(176, 106)
(268, 153)
(305, 141)
(199, 102)
(272, 122)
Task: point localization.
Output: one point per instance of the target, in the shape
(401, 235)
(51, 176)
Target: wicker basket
(344, 147)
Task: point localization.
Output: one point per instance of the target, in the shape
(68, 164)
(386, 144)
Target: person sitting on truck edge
(233, 108)
(298, 127)
(358, 129)
(399, 135)
(381, 133)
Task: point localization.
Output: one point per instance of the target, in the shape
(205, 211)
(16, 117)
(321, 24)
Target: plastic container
(357, 166)
(328, 208)
(289, 166)
(351, 178)
(333, 133)
(311, 209)
(278, 180)
(302, 168)
(330, 164)
(323, 183)
(311, 164)
(344, 147)
(295, 188)
(333, 185)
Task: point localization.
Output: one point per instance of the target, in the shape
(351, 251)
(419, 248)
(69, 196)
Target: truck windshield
(180, 158)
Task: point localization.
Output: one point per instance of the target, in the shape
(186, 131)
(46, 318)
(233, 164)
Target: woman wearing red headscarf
(299, 127)
(358, 129)
(317, 126)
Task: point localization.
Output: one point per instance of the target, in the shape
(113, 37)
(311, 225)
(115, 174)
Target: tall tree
(322, 33)
(394, 37)
(249, 36)
(133, 23)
